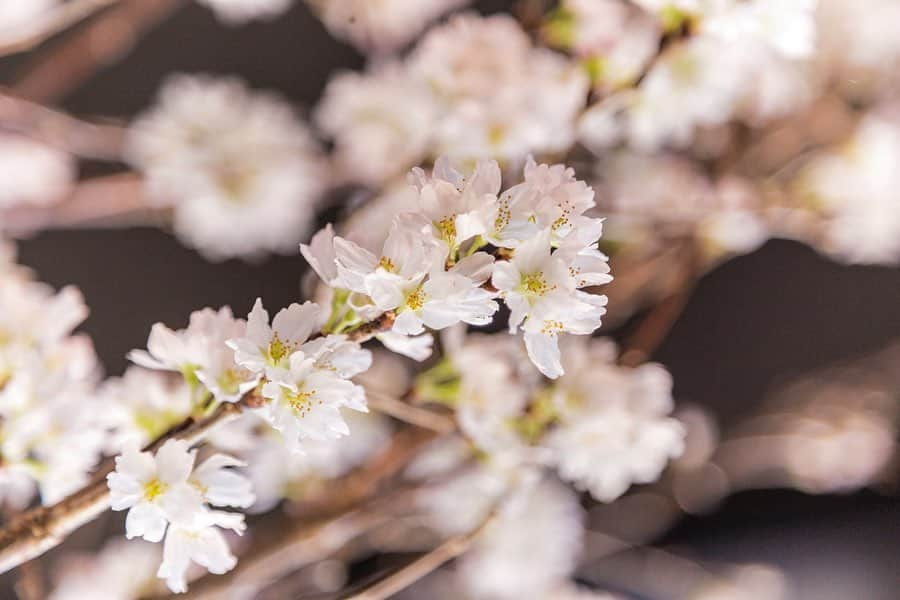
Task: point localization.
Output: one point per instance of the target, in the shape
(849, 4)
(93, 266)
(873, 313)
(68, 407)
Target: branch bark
(36, 531)
(101, 42)
(56, 20)
(86, 139)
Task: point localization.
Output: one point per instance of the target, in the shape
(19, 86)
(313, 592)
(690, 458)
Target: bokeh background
(751, 326)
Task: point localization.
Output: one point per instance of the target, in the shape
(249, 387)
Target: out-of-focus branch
(81, 138)
(424, 565)
(655, 326)
(352, 508)
(114, 200)
(296, 548)
(103, 41)
(56, 20)
(404, 411)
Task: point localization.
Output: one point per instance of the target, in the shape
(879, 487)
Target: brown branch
(294, 550)
(101, 42)
(424, 565)
(652, 331)
(82, 138)
(404, 411)
(113, 200)
(36, 531)
(56, 20)
(344, 509)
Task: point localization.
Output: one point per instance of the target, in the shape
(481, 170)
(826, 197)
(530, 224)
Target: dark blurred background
(752, 323)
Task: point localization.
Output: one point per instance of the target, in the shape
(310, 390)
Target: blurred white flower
(613, 41)
(242, 173)
(48, 401)
(614, 428)
(143, 404)
(855, 193)
(238, 12)
(529, 549)
(382, 122)
(33, 172)
(276, 472)
(80, 576)
(19, 17)
(789, 28)
(383, 25)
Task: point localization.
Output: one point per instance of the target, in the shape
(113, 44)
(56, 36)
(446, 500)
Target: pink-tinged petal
(296, 322)
(320, 255)
(258, 330)
(478, 267)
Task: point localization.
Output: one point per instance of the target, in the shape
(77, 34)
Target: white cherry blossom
(305, 402)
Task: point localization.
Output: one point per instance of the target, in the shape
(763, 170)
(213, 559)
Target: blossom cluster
(739, 60)
(166, 495)
(600, 427)
(466, 245)
(48, 377)
(475, 87)
(227, 160)
(302, 379)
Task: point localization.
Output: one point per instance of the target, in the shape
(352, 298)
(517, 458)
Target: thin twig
(349, 506)
(294, 550)
(112, 201)
(424, 565)
(404, 411)
(56, 20)
(101, 42)
(81, 138)
(652, 331)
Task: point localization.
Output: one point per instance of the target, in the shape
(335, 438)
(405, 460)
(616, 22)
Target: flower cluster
(473, 88)
(742, 59)
(48, 403)
(302, 379)
(167, 496)
(467, 244)
(239, 169)
(600, 427)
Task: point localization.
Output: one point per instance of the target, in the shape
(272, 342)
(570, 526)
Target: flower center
(278, 350)
(301, 401)
(154, 488)
(447, 229)
(534, 284)
(416, 299)
(387, 264)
